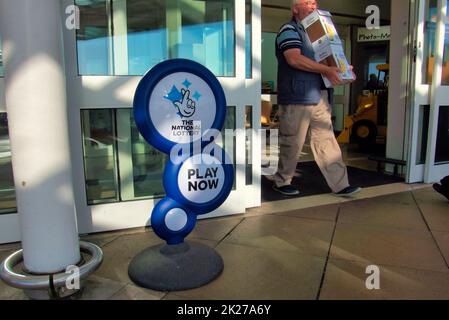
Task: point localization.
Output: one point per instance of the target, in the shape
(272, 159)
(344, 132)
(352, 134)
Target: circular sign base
(179, 267)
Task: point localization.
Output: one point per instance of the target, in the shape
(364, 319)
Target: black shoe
(286, 190)
(348, 192)
(441, 190)
(445, 182)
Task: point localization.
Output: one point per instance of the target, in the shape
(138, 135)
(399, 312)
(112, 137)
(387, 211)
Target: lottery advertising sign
(177, 103)
(180, 104)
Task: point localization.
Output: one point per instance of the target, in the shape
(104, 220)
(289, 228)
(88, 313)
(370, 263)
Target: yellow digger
(367, 126)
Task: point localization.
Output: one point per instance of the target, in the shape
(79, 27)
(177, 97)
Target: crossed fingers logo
(186, 107)
(182, 100)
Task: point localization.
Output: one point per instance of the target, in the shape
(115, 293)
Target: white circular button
(176, 219)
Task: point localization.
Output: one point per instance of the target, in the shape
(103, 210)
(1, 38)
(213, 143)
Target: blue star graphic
(197, 96)
(187, 84)
(174, 95)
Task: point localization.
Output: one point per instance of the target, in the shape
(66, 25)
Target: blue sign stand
(180, 108)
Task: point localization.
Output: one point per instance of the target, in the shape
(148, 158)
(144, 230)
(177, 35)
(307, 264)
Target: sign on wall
(367, 35)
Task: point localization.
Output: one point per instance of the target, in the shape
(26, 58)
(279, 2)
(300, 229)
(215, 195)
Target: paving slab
(442, 238)
(11, 247)
(434, 207)
(387, 246)
(172, 296)
(327, 213)
(10, 293)
(284, 233)
(99, 288)
(394, 211)
(100, 239)
(253, 273)
(132, 292)
(346, 280)
(5, 254)
(214, 229)
(119, 253)
(7, 292)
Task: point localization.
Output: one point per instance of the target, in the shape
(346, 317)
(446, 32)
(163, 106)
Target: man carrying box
(304, 102)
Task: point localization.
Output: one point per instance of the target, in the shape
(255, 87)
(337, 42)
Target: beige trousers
(295, 121)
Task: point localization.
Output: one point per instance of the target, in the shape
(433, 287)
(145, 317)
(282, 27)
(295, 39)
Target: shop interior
(360, 107)
(366, 57)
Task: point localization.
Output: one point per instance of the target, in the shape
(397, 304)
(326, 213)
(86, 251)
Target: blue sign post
(180, 109)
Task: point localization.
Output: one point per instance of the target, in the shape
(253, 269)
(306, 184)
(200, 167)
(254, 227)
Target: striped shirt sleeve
(288, 38)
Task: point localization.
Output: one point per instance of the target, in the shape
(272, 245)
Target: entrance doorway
(365, 55)
(369, 93)
(428, 132)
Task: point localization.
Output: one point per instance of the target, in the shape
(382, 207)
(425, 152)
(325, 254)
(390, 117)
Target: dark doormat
(311, 181)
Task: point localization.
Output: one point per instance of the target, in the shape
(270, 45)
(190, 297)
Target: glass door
(118, 179)
(429, 133)
(340, 107)
(437, 156)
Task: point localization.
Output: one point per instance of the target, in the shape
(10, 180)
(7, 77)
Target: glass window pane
(248, 39)
(372, 70)
(230, 121)
(7, 192)
(445, 71)
(230, 147)
(429, 45)
(423, 132)
(145, 33)
(249, 145)
(208, 33)
(2, 71)
(442, 146)
(100, 149)
(148, 166)
(429, 41)
(93, 38)
(339, 90)
(249, 117)
(269, 63)
(338, 117)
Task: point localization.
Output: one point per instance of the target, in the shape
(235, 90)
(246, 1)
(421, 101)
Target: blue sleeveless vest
(297, 86)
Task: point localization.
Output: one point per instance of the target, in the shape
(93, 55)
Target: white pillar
(38, 129)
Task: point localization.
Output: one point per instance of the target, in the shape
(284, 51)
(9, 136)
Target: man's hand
(353, 73)
(333, 75)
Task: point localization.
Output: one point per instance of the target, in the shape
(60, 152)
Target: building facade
(109, 44)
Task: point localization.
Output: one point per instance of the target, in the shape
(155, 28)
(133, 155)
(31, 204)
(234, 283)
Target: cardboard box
(319, 27)
(333, 56)
(327, 44)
